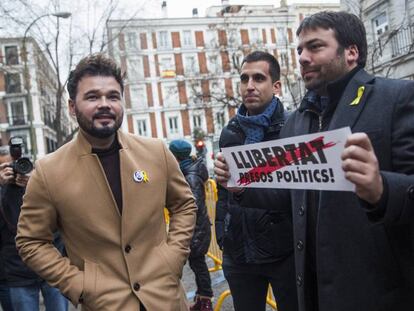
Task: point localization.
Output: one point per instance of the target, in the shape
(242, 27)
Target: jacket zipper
(320, 118)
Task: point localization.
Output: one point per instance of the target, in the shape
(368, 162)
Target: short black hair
(256, 56)
(348, 29)
(96, 64)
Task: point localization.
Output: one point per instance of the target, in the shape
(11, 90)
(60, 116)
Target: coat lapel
(345, 113)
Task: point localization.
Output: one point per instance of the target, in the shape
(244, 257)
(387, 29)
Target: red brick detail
(182, 92)
(150, 98)
(244, 36)
(146, 66)
(175, 36)
(209, 120)
(186, 122)
(127, 97)
(264, 38)
(2, 82)
(3, 112)
(164, 127)
(232, 112)
(202, 61)
(228, 85)
(130, 124)
(153, 124)
(123, 64)
(290, 35)
(199, 38)
(273, 35)
(276, 55)
(225, 60)
(154, 40)
(160, 94)
(222, 36)
(121, 41)
(179, 70)
(293, 57)
(157, 65)
(143, 39)
(205, 89)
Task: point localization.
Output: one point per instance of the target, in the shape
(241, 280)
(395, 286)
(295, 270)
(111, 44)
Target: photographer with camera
(23, 283)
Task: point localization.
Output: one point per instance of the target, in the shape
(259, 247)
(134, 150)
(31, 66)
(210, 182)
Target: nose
(250, 84)
(103, 102)
(304, 58)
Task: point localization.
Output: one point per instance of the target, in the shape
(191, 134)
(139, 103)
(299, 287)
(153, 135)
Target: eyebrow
(94, 91)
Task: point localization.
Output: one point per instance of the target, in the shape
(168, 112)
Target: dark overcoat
(365, 259)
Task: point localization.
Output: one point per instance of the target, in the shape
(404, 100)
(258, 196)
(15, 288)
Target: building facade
(183, 73)
(28, 97)
(390, 34)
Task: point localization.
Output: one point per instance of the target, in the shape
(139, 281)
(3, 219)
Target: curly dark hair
(94, 65)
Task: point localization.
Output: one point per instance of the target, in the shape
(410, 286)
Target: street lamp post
(26, 76)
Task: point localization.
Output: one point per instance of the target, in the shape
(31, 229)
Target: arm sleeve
(398, 201)
(181, 206)
(34, 240)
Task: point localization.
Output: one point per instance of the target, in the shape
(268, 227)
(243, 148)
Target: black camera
(20, 165)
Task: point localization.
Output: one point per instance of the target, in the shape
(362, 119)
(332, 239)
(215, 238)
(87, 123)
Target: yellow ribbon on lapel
(145, 176)
(357, 99)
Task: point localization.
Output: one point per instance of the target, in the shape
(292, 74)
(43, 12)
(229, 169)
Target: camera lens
(23, 166)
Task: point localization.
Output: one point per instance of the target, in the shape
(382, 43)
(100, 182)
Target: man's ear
(351, 55)
(277, 87)
(71, 104)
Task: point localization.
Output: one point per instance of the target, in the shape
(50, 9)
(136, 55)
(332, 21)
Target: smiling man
(257, 244)
(106, 191)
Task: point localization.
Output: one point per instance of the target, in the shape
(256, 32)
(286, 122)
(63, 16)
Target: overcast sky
(184, 8)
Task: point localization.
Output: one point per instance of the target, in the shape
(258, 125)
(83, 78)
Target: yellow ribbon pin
(145, 175)
(357, 99)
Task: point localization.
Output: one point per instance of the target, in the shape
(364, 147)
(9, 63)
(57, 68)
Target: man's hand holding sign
(304, 162)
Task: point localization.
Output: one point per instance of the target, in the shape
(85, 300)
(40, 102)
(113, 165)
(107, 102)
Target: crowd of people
(103, 194)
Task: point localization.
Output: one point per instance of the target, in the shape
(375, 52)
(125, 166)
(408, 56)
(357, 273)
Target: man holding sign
(257, 244)
(354, 251)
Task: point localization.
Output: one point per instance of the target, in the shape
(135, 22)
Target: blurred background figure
(23, 284)
(195, 172)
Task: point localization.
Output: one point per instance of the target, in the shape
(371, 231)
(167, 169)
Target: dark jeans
(202, 276)
(26, 298)
(249, 284)
(5, 297)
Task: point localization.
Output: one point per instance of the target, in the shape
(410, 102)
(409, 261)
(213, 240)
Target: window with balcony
(13, 83)
(17, 113)
(380, 24)
(163, 39)
(281, 35)
(220, 120)
(135, 69)
(211, 38)
(12, 56)
(173, 125)
(197, 121)
(138, 97)
(142, 127)
(254, 35)
(132, 41)
(190, 64)
(187, 38)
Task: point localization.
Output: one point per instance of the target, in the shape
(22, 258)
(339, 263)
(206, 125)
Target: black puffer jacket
(196, 175)
(253, 235)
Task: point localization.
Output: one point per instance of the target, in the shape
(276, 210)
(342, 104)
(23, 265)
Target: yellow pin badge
(357, 99)
(141, 176)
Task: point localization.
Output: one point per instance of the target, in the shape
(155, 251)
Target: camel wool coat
(115, 261)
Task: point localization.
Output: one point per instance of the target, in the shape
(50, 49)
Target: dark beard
(104, 132)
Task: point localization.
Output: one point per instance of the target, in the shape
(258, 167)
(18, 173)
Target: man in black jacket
(195, 173)
(257, 244)
(24, 284)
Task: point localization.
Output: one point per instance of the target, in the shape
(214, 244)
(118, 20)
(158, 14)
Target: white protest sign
(302, 162)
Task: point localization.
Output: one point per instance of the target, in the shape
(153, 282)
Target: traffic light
(200, 148)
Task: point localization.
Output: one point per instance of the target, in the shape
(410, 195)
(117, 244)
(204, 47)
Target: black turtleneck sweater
(109, 159)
